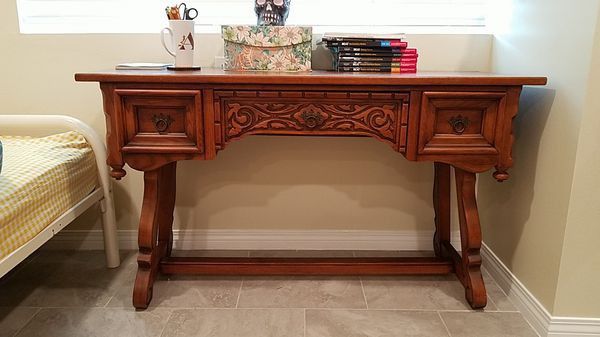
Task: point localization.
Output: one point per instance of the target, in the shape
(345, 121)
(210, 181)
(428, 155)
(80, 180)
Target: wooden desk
(459, 120)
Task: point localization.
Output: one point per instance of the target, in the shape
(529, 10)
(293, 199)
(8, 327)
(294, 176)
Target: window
(147, 16)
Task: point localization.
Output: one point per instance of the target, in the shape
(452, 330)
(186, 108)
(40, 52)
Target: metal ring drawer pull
(312, 119)
(459, 124)
(162, 122)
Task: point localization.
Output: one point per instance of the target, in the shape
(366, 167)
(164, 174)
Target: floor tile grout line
(110, 298)
(493, 302)
(26, 323)
(501, 290)
(121, 282)
(444, 323)
(493, 280)
(362, 287)
(274, 308)
(237, 302)
(106, 304)
(346, 309)
(162, 331)
(530, 325)
(304, 322)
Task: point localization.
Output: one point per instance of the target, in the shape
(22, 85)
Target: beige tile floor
(66, 294)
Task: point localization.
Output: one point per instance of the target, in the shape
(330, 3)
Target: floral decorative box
(275, 48)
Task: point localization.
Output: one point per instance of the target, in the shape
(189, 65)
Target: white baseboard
(262, 239)
(534, 312)
(574, 327)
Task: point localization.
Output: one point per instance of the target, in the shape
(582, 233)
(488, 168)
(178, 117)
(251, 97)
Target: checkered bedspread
(41, 178)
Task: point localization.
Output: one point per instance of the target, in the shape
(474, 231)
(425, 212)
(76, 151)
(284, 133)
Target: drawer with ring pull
(461, 122)
(162, 121)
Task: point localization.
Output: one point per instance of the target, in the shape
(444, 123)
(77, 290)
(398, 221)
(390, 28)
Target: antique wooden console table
(459, 120)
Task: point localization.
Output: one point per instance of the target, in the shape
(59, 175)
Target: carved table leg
(157, 211)
(167, 205)
(441, 205)
(470, 236)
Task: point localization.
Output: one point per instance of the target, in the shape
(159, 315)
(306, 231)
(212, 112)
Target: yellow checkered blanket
(41, 178)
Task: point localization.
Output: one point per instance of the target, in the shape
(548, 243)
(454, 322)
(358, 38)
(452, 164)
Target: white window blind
(148, 16)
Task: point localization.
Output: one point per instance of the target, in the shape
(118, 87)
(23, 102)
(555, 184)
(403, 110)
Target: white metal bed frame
(35, 124)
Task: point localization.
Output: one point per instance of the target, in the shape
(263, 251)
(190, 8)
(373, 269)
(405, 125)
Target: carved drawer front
(162, 121)
(380, 115)
(460, 122)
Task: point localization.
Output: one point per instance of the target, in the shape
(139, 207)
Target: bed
(47, 182)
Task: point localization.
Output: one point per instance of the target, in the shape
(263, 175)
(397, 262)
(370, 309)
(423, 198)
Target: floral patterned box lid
(267, 36)
(267, 48)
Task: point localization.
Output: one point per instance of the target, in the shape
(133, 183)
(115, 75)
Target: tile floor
(71, 294)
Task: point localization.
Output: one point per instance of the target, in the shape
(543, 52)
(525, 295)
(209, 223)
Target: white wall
(579, 278)
(525, 218)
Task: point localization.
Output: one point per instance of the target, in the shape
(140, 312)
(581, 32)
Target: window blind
(148, 16)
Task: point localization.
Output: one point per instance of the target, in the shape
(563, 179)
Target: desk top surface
(217, 76)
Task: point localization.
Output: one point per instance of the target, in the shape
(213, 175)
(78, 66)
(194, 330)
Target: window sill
(317, 30)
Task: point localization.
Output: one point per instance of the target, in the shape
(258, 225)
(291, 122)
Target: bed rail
(17, 124)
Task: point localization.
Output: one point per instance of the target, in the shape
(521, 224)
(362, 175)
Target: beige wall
(578, 292)
(525, 219)
(258, 183)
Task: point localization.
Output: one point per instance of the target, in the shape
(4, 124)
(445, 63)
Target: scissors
(187, 13)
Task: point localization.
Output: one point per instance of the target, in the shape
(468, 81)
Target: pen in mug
(173, 13)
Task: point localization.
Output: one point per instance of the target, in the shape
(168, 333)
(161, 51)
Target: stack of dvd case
(371, 53)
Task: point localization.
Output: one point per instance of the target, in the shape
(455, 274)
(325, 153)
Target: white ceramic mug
(182, 44)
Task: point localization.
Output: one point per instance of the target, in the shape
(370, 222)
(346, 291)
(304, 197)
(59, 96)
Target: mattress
(41, 178)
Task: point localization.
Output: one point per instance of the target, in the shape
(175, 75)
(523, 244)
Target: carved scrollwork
(375, 119)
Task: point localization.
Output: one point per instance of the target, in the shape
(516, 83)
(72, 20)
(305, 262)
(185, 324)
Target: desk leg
(167, 204)
(154, 237)
(441, 205)
(469, 271)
